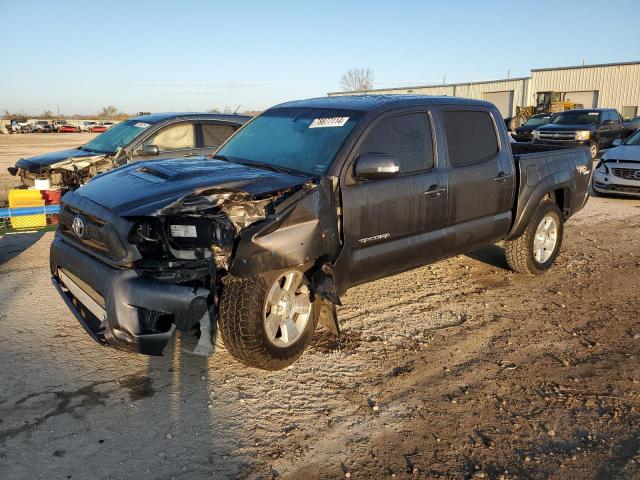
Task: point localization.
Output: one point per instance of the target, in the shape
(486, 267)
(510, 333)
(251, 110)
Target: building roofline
(594, 65)
(516, 79)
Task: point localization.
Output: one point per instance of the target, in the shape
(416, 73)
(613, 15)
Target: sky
(197, 55)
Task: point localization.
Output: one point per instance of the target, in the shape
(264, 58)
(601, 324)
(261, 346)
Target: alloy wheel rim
(287, 309)
(545, 239)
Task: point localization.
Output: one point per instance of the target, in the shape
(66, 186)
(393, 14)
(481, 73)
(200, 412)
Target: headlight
(536, 134)
(583, 135)
(602, 163)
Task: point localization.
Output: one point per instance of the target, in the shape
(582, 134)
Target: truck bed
(541, 169)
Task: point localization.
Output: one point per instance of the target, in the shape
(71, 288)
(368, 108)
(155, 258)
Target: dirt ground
(460, 369)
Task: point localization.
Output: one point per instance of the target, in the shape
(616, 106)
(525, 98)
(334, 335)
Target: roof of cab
(160, 117)
(374, 102)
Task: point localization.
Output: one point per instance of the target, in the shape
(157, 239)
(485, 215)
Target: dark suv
(596, 128)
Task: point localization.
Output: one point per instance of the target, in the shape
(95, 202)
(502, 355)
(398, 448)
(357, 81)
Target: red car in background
(98, 128)
(66, 128)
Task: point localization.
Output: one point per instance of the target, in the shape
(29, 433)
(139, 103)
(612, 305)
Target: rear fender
(531, 196)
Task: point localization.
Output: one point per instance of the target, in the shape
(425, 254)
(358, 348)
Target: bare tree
(46, 114)
(357, 80)
(108, 112)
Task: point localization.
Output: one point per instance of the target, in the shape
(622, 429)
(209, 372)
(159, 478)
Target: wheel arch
(556, 187)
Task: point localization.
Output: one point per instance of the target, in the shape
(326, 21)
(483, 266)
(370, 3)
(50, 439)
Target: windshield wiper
(262, 165)
(273, 168)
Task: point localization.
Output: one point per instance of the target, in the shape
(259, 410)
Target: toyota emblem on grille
(78, 227)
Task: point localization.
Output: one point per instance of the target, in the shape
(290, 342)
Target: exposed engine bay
(68, 174)
(194, 241)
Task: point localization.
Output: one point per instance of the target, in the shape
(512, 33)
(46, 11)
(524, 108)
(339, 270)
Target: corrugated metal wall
(519, 87)
(617, 85)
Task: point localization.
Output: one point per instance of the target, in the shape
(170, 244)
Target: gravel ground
(460, 369)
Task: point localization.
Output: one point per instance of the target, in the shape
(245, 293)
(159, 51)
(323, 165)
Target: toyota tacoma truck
(259, 241)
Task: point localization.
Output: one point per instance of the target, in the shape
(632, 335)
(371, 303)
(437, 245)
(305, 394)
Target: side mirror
(149, 151)
(607, 122)
(372, 166)
(617, 142)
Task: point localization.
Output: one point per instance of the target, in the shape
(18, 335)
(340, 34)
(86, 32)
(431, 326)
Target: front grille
(565, 136)
(626, 173)
(94, 236)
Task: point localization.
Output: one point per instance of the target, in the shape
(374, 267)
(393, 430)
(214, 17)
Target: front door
(394, 224)
(175, 140)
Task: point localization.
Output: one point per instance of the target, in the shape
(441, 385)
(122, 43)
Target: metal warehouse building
(610, 85)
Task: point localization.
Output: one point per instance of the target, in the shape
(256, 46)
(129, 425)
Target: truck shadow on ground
(177, 393)
(491, 255)
(13, 245)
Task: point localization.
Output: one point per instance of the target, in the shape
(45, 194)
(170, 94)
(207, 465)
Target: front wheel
(538, 247)
(268, 322)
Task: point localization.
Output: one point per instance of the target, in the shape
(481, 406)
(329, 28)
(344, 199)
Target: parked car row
(61, 126)
(596, 128)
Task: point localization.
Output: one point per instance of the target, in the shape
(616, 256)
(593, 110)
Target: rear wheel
(267, 323)
(538, 247)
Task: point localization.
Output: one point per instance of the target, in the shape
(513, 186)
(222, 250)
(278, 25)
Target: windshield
(120, 135)
(578, 117)
(537, 121)
(302, 139)
(633, 139)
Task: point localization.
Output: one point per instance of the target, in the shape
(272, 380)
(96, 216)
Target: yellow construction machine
(546, 102)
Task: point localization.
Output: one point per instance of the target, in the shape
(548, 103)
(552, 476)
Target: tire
(595, 150)
(520, 253)
(242, 323)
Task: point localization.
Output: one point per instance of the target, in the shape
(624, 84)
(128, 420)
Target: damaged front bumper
(119, 308)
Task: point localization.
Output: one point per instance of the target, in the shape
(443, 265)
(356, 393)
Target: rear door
(397, 223)
(481, 175)
(210, 134)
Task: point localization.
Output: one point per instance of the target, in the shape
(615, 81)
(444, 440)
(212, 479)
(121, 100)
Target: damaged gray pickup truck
(260, 241)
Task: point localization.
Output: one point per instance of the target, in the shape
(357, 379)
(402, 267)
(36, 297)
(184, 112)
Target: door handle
(435, 191)
(502, 177)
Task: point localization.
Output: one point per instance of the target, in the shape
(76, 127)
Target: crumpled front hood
(627, 153)
(142, 188)
(40, 162)
(553, 127)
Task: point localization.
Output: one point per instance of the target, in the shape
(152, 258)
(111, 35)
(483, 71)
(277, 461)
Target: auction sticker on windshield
(329, 122)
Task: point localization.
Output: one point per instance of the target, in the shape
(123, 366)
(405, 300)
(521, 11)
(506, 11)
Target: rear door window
(407, 137)
(471, 136)
(214, 135)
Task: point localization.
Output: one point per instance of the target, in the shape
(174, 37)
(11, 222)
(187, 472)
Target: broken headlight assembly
(190, 232)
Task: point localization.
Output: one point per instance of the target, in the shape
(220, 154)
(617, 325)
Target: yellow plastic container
(27, 198)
